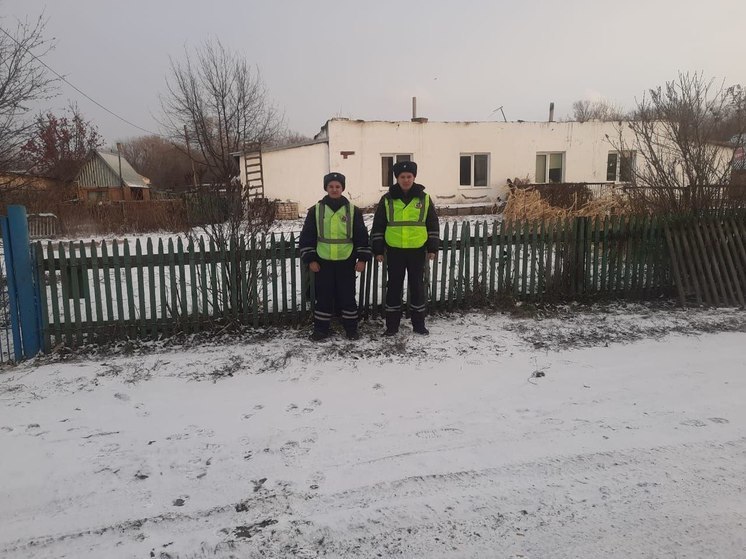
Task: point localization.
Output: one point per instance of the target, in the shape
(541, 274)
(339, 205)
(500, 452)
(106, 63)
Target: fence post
(21, 284)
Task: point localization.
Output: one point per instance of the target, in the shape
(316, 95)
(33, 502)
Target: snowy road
(615, 434)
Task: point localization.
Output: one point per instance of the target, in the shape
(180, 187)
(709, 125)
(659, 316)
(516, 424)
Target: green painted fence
(100, 291)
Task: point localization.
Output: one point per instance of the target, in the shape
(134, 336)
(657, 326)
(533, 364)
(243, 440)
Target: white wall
(437, 146)
(296, 173)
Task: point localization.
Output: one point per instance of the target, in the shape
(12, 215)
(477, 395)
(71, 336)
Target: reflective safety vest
(334, 232)
(405, 227)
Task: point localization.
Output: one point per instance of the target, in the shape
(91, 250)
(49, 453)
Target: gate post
(23, 276)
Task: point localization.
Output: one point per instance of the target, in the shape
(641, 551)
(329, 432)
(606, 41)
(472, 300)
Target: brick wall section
(287, 210)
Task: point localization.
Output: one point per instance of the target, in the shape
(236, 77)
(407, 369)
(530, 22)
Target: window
(550, 167)
(387, 166)
(96, 195)
(620, 166)
(474, 169)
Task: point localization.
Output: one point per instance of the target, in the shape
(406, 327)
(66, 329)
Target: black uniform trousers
(335, 291)
(398, 262)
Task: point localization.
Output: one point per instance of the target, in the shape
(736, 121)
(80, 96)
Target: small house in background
(110, 177)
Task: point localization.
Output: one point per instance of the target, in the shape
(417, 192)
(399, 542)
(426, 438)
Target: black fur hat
(339, 177)
(405, 167)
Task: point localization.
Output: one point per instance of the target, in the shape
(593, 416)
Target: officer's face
(405, 181)
(334, 189)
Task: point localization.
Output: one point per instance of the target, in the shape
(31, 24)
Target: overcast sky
(326, 58)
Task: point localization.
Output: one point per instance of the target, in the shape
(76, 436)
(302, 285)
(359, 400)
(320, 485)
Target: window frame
(472, 168)
(547, 155)
(396, 159)
(631, 155)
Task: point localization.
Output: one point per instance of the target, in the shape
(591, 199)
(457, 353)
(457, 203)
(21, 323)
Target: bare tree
(221, 103)
(586, 110)
(23, 80)
(681, 163)
(224, 105)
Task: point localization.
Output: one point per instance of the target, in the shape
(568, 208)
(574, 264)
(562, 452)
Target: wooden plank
(460, 271)
(434, 279)
(95, 279)
(234, 281)
(485, 255)
(678, 277)
(165, 322)
(293, 282)
(629, 255)
(117, 271)
(283, 277)
(75, 292)
(85, 292)
(706, 278)
(181, 295)
(253, 270)
(265, 282)
(718, 262)
(43, 299)
(65, 274)
(54, 278)
(452, 270)
(204, 281)
(153, 287)
(595, 259)
(244, 281)
(193, 313)
(443, 301)
(603, 270)
(494, 258)
(689, 262)
(540, 260)
(214, 287)
(107, 275)
(524, 258)
(739, 250)
(173, 290)
(141, 295)
(726, 244)
(131, 314)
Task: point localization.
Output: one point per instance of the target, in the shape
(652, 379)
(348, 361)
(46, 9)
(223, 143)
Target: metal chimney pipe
(414, 108)
(551, 111)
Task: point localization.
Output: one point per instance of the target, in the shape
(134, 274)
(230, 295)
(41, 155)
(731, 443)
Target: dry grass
(528, 204)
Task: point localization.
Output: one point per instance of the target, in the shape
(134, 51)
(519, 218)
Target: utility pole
(189, 153)
(119, 155)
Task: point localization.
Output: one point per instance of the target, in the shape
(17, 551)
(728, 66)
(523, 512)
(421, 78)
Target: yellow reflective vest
(405, 227)
(334, 231)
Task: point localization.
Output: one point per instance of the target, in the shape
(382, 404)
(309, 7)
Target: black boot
(319, 335)
(418, 323)
(392, 324)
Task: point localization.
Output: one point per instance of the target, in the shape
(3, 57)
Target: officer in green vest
(405, 227)
(334, 244)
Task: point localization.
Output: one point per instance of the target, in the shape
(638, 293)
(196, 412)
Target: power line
(76, 88)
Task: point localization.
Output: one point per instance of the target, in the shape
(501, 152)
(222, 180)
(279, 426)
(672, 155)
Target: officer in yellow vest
(405, 227)
(334, 244)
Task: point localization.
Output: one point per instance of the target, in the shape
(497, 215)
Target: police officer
(405, 226)
(334, 244)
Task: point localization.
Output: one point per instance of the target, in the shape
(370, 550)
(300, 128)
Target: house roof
(130, 177)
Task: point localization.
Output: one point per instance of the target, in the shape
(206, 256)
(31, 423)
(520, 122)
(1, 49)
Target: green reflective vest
(405, 227)
(334, 232)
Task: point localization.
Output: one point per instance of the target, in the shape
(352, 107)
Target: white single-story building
(459, 162)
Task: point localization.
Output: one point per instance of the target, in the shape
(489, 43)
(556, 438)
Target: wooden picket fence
(101, 291)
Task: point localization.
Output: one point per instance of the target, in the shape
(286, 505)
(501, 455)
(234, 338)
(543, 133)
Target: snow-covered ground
(619, 432)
